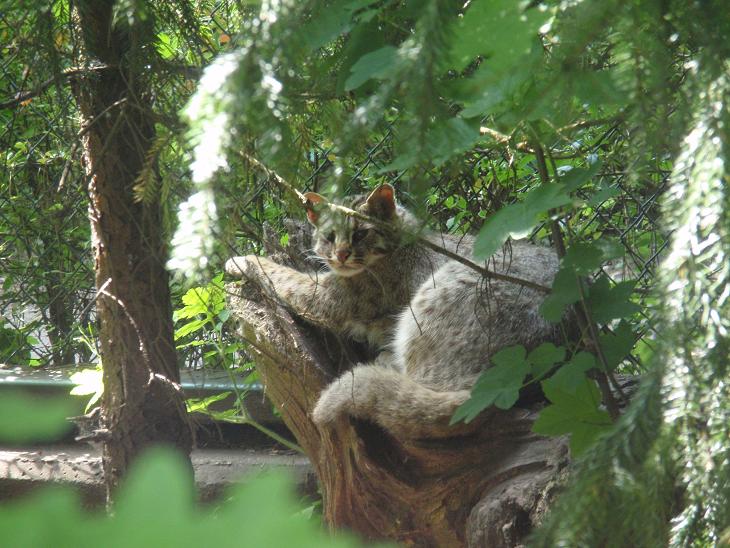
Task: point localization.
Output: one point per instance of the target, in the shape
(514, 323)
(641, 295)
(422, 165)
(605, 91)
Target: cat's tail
(396, 402)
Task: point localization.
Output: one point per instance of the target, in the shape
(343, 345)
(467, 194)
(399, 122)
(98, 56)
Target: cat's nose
(342, 255)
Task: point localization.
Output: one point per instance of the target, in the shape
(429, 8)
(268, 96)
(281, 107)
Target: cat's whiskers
(311, 254)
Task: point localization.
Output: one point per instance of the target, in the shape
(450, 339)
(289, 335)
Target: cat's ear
(381, 202)
(312, 199)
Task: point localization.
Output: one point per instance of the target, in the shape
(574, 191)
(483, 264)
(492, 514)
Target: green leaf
(543, 358)
(575, 413)
(376, 64)
(190, 327)
(326, 25)
(609, 303)
(167, 45)
(576, 177)
(598, 87)
(202, 405)
(25, 418)
(47, 517)
(581, 259)
(484, 91)
(617, 346)
(499, 385)
(155, 507)
(605, 192)
(571, 375)
(585, 258)
(564, 292)
(499, 30)
(333, 20)
(444, 140)
(363, 39)
(518, 220)
(161, 475)
(512, 356)
(450, 138)
(195, 303)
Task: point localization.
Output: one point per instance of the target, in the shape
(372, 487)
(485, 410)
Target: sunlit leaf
(190, 327)
(88, 382)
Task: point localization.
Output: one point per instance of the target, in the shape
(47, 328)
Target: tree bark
(482, 484)
(142, 403)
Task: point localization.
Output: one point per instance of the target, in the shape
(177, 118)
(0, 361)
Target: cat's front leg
(306, 294)
(249, 267)
(279, 281)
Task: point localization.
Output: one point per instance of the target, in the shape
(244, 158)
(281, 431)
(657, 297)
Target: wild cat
(435, 321)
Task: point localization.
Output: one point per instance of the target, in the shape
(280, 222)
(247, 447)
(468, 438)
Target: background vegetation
(566, 122)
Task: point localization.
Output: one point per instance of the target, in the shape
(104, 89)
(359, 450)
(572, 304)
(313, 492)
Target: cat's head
(349, 245)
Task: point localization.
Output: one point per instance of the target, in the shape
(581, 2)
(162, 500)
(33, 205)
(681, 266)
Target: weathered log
(483, 484)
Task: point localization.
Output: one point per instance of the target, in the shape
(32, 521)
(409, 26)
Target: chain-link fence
(46, 273)
(616, 204)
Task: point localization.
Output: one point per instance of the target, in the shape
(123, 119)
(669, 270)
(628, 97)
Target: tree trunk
(142, 403)
(483, 484)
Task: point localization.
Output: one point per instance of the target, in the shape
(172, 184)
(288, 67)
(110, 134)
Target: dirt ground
(79, 465)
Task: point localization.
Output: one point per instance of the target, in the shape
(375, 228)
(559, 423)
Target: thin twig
(483, 271)
(582, 124)
(504, 139)
(22, 96)
(582, 312)
(525, 146)
(240, 419)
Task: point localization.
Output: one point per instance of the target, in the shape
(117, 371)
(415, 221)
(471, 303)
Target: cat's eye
(330, 237)
(359, 234)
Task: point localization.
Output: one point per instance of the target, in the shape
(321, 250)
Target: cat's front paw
(243, 267)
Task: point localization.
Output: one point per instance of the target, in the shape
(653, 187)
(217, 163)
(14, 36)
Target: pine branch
(23, 96)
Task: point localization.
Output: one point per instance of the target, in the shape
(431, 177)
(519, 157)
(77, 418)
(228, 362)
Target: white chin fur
(346, 272)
